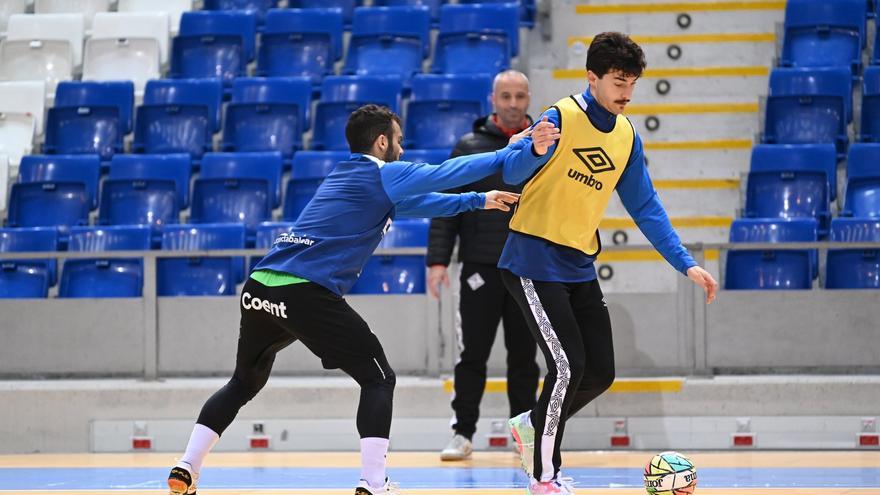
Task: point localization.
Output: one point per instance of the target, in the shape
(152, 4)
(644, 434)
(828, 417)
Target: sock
(373, 451)
(200, 444)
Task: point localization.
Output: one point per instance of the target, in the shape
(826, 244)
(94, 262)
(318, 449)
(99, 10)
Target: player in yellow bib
(547, 262)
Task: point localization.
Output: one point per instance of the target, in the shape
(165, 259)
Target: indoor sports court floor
(495, 473)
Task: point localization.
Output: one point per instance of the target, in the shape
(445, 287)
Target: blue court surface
(65, 479)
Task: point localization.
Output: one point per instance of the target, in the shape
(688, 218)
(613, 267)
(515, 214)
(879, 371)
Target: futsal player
(548, 260)
(296, 291)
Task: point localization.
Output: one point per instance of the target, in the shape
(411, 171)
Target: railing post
(151, 319)
(698, 298)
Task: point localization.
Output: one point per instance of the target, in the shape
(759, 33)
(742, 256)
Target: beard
(391, 155)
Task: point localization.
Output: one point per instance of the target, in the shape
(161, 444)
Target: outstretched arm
(441, 205)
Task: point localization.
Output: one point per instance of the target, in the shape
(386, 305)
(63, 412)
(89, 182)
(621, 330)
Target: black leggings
(570, 322)
(272, 318)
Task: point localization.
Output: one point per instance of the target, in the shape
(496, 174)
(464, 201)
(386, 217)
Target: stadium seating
(31, 54)
(67, 29)
(145, 190)
(853, 268)
(54, 191)
(8, 8)
(824, 34)
(300, 43)
(197, 276)
(346, 6)
(863, 181)
(127, 47)
(444, 107)
(526, 9)
(434, 157)
(90, 117)
(174, 9)
(790, 182)
(83, 169)
(21, 117)
(259, 8)
(341, 95)
(108, 277)
(4, 181)
(870, 128)
(88, 8)
(213, 45)
(771, 269)
(478, 38)
(389, 41)
(809, 105)
(433, 6)
(397, 274)
(179, 116)
(268, 114)
(27, 278)
(308, 171)
(257, 165)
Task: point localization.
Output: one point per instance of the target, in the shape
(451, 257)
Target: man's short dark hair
(368, 123)
(615, 51)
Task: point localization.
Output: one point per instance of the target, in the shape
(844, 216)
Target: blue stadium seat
(790, 182)
(345, 6)
(433, 6)
(213, 45)
(398, 274)
(145, 190)
(870, 129)
(853, 268)
(809, 105)
(108, 277)
(195, 276)
(267, 232)
(89, 118)
(300, 43)
(526, 9)
(307, 173)
(27, 278)
(863, 181)
(85, 169)
(444, 107)
(434, 157)
(179, 116)
(771, 269)
(340, 96)
(478, 38)
(259, 8)
(268, 114)
(820, 33)
(389, 41)
(236, 188)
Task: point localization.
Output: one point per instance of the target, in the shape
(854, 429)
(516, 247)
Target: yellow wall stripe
(677, 222)
(745, 71)
(697, 184)
(643, 255)
(679, 7)
(691, 38)
(620, 386)
(670, 108)
(720, 144)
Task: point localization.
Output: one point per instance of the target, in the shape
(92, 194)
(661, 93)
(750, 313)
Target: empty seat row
(795, 269)
(90, 8)
(189, 276)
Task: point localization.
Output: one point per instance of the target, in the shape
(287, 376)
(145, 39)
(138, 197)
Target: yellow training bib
(565, 201)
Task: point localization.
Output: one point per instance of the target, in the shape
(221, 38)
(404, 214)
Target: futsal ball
(670, 473)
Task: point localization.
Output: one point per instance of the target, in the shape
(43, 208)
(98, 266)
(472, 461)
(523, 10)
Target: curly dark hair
(612, 51)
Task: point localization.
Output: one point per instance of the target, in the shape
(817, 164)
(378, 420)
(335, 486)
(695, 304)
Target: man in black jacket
(484, 301)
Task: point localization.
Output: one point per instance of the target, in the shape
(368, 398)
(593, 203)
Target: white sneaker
(558, 486)
(182, 480)
(458, 449)
(364, 488)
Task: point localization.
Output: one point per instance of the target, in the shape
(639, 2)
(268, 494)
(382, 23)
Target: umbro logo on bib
(595, 159)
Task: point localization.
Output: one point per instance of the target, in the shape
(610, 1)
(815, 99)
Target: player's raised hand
(705, 280)
(544, 134)
(500, 200)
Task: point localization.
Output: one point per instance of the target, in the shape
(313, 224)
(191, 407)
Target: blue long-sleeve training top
(538, 259)
(342, 225)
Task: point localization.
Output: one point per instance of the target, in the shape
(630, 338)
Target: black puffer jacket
(481, 233)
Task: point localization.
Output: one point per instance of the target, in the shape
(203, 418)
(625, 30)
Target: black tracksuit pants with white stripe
(570, 322)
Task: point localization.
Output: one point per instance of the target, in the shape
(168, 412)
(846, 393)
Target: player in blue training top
(547, 262)
(296, 291)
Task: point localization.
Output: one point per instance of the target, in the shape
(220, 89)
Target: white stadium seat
(174, 8)
(141, 25)
(8, 8)
(86, 7)
(49, 27)
(46, 61)
(27, 97)
(16, 135)
(135, 59)
(4, 180)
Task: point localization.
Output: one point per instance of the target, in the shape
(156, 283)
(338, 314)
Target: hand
(704, 279)
(437, 274)
(499, 200)
(544, 135)
(519, 135)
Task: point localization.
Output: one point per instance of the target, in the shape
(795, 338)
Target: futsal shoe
(364, 488)
(458, 449)
(181, 480)
(524, 436)
(559, 486)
